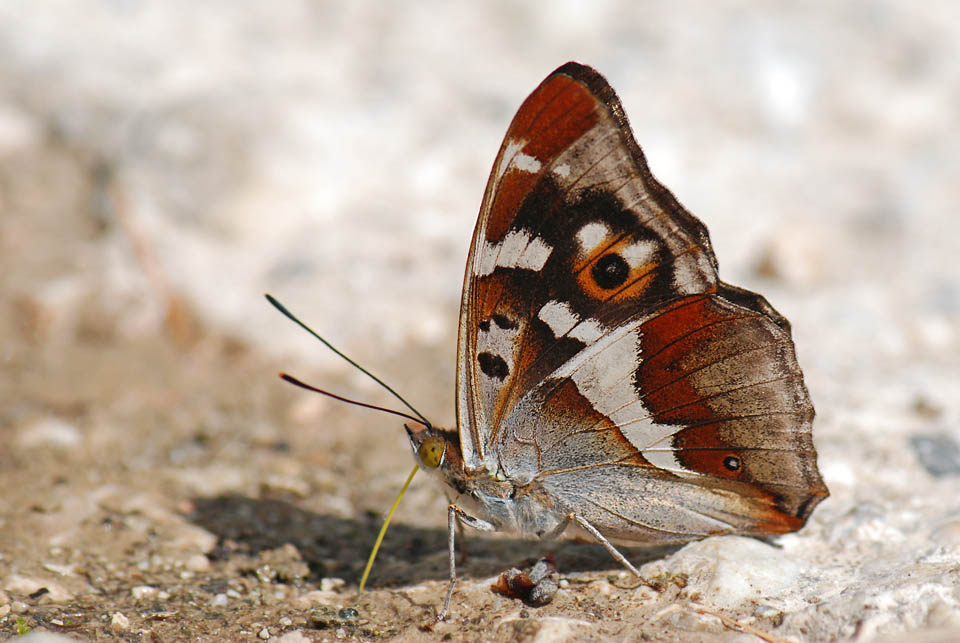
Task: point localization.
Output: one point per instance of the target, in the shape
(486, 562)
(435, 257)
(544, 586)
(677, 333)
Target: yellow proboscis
(383, 530)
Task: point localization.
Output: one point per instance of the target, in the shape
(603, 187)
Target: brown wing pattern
(572, 221)
(596, 341)
(714, 414)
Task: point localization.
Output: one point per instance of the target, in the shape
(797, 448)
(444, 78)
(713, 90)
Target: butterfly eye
(431, 451)
(610, 271)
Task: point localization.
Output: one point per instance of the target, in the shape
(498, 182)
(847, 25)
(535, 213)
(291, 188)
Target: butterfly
(609, 385)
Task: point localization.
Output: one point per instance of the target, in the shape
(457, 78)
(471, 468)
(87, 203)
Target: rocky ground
(164, 164)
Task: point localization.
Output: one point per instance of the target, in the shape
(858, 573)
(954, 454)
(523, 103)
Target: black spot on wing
(610, 271)
(493, 365)
(554, 216)
(504, 322)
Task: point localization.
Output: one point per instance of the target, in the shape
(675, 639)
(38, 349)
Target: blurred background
(164, 164)
(335, 154)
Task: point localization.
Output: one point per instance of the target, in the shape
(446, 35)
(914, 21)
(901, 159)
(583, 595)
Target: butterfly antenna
(303, 385)
(420, 419)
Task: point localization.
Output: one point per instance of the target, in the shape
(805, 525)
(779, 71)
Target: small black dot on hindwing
(493, 365)
(732, 463)
(610, 271)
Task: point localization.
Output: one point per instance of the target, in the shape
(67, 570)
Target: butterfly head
(434, 449)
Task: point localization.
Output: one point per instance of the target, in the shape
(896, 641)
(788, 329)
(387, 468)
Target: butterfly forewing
(574, 236)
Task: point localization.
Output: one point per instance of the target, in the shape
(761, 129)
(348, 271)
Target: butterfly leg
(464, 554)
(606, 544)
(455, 517)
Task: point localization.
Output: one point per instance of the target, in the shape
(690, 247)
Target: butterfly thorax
(524, 509)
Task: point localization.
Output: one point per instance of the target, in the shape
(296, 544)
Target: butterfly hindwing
(702, 400)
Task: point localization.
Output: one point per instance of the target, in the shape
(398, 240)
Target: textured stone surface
(162, 164)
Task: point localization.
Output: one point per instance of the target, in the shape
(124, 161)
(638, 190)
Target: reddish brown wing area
(571, 216)
(601, 357)
(550, 120)
(715, 439)
(728, 378)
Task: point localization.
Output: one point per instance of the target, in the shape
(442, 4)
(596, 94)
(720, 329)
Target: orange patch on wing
(561, 117)
(513, 188)
(633, 287)
(488, 291)
(771, 519)
(556, 114)
(666, 338)
(639, 280)
(684, 317)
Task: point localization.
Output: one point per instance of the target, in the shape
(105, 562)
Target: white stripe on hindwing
(604, 374)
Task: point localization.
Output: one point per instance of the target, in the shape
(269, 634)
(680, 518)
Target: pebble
(44, 637)
(316, 597)
(198, 563)
(21, 584)
(219, 600)
(728, 571)
(264, 634)
(26, 585)
(331, 583)
(143, 592)
(286, 621)
(295, 636)
(50, 432)
(191, 537)
(62, 570)
(558, 628)
(119, 622)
